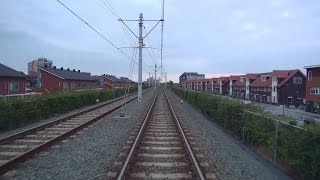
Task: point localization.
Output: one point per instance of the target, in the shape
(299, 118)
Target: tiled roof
(69, 74)
(252, 75)
(291, 73)
(259, 83)
(9, 72)
(238, 83)
(235, 78)
(113, 78)
(127, 80)
(281, 73)
(224, 78)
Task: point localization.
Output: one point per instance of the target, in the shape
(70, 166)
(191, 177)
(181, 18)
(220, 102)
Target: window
(309, 75)
(297, 80)
(84, 85)
(315, 90)
(65, 85)
(14, 86)
(73, 85)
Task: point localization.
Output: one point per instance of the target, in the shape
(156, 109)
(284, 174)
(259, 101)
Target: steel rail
(25, 155)
(135, 144)
(193, 158)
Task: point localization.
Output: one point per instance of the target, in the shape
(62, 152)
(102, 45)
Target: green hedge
(300, 149)
(18, 113)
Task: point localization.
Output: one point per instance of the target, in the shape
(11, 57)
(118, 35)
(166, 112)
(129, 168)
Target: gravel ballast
(228, 158)
(88, 154)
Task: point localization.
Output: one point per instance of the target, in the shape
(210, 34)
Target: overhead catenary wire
(161, 45)
(152, 57)
(96, 31)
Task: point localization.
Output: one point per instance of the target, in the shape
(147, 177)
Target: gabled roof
(5, 71)
(113, 78)
(252, 75)
(291, 74)
(127, 80)
(235, 78)
(69, 74)
(259, 83)
(280, 73)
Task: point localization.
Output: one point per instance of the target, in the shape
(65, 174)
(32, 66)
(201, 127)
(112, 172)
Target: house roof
(259, 83)
(236, 78)
(290, 75)
(69, 74)
(281, 73)
(5, 71)
(312, 66)
(127, 80)
(252, 75)
(113, 78)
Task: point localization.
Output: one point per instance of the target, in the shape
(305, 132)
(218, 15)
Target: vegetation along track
(160, 149)
(16, 148)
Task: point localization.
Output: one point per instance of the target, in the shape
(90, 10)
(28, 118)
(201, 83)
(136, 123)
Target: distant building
(41, 63)
(187, 76)
(282, 87)
(128, 81)
(107, 81)
(11, 81)
(64, 80)
(313, 88)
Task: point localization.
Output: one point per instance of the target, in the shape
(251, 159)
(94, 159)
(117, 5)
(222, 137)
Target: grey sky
(206, 36)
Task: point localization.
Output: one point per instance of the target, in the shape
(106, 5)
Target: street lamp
(284, 90)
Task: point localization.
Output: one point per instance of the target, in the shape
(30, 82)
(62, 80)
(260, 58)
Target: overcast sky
(206, 36)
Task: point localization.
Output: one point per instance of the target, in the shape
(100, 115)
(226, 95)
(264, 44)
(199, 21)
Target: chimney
(54, 67)
(61, 68)
(78, 71)
(68, 69)
(74, 70)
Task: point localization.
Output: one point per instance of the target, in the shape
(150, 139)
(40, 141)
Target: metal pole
(140, 58)
(149, 80)
(165, 79)
(155, 76)
(275, 142)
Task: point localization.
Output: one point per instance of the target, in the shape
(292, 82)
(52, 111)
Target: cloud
(248, 26)
(239, 13)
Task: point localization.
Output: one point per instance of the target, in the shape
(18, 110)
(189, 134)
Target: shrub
(16, 113)
(298, 148)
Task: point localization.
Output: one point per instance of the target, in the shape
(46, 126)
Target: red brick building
(224, 86)
(11, 81)
(238, 86)
(313, 88)
(64, 80)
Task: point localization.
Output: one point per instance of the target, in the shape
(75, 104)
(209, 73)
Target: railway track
(160, 148)
(17, 148)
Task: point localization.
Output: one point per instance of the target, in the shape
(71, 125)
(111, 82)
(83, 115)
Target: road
(294, 113)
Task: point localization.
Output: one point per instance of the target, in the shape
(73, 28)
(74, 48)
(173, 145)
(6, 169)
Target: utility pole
(149, 80)
(140, 58)
(165, 76)
(155, 76)
(140, 46)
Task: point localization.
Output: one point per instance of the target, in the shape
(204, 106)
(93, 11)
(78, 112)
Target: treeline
(17, 113)
(294, 147)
